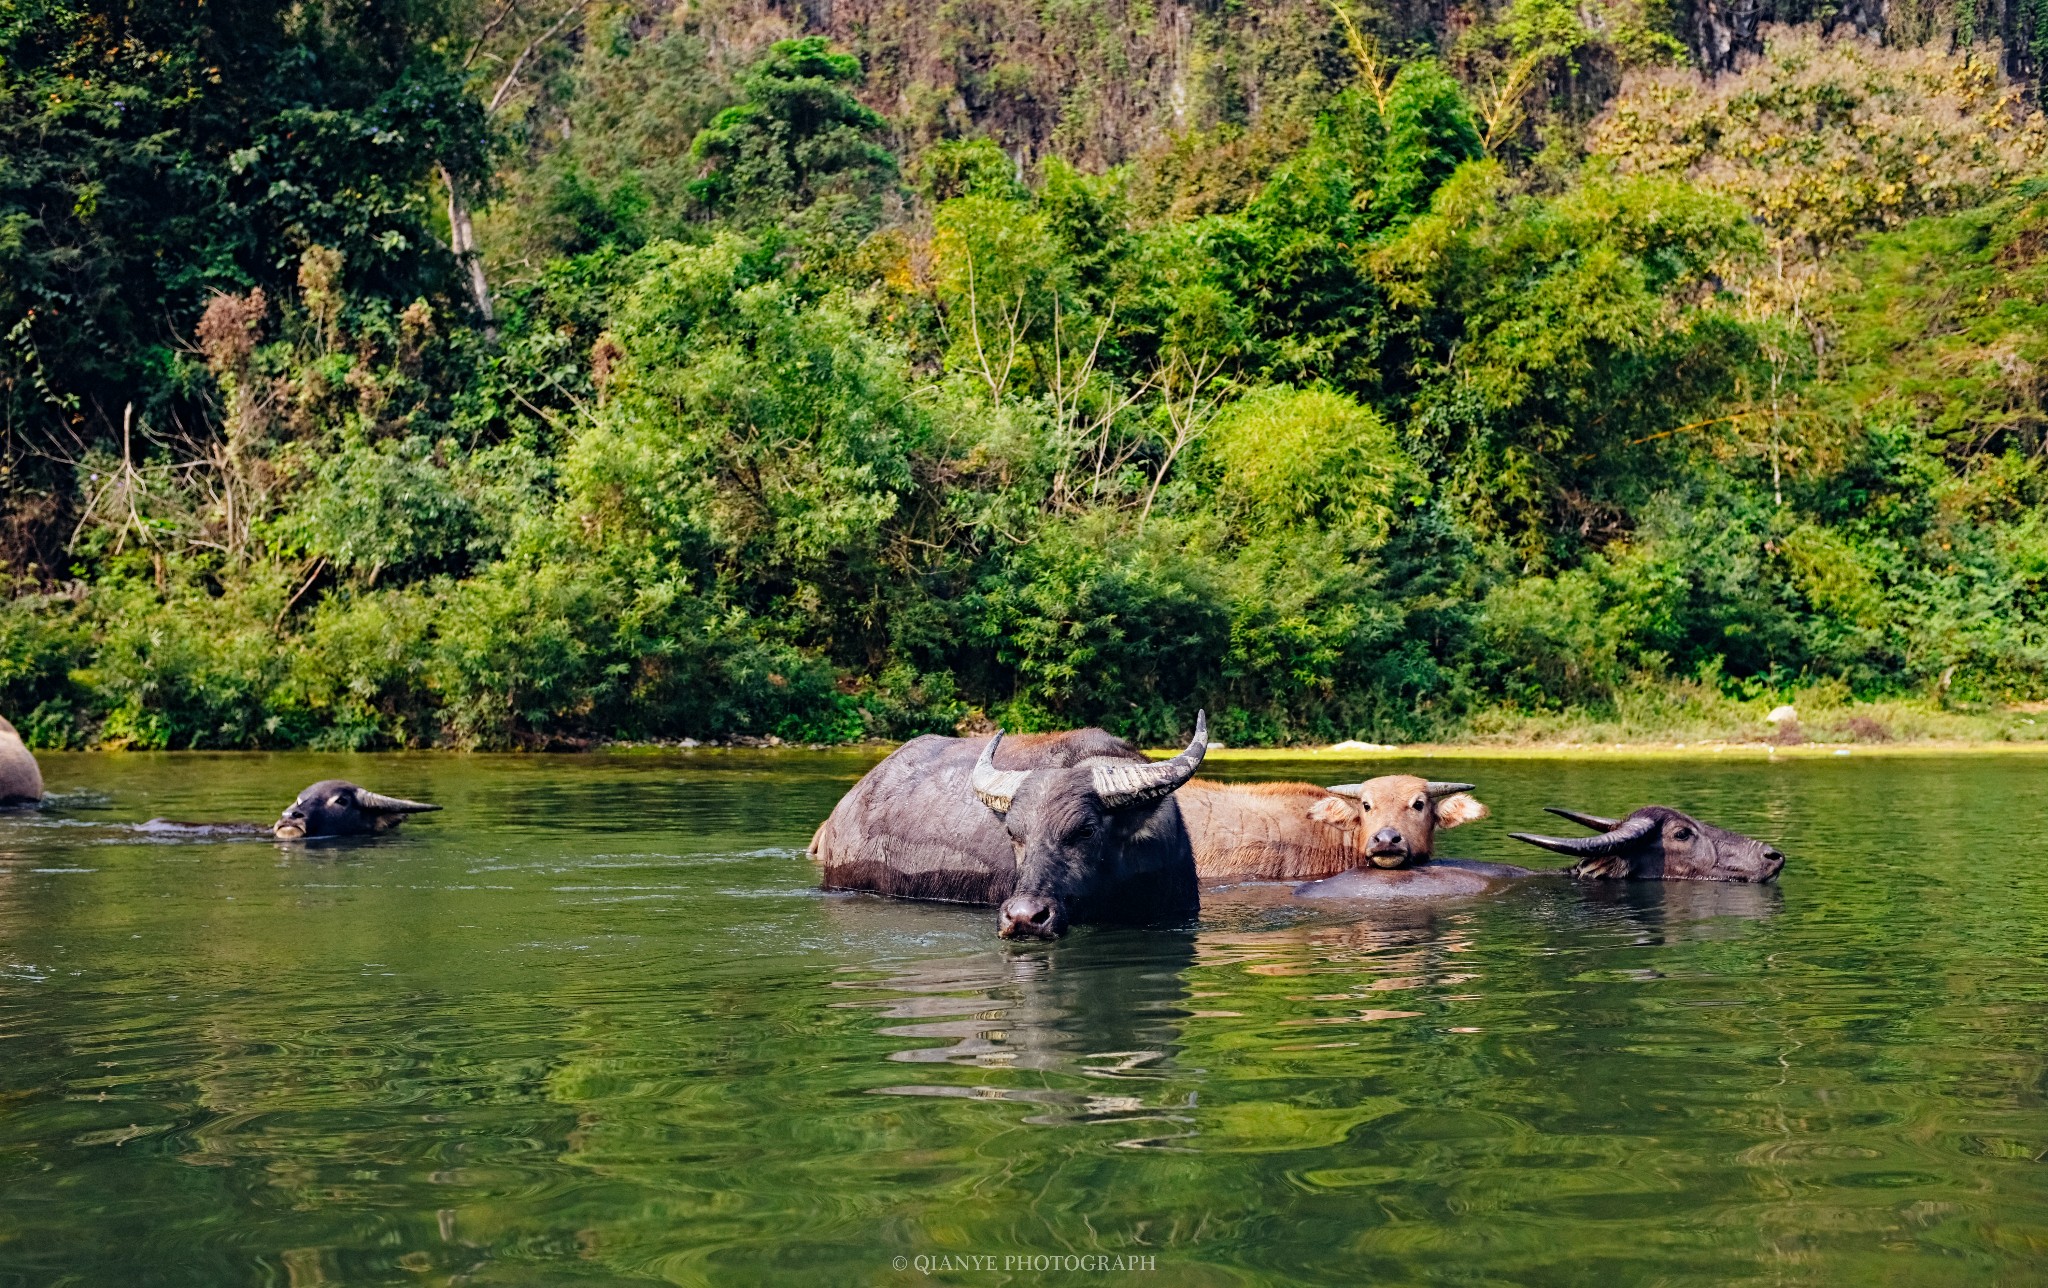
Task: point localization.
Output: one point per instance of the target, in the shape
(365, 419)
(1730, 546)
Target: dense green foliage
(1416, 409)
(157, 153)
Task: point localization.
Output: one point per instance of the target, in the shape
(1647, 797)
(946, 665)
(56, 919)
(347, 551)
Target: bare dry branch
(1191, 396)
(490, 28)
(519, 63)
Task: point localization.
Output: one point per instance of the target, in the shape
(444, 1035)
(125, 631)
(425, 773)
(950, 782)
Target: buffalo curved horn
(1593, 821)
(1353, 790)
(1631, 831)
(996, 788)
(377, 803)
(1119, 786)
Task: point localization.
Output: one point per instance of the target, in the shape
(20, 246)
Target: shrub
(187, 669)
(1293, 458)
(42, 639)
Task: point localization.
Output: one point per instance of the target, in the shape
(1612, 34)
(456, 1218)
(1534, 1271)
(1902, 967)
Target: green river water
(594, 1024)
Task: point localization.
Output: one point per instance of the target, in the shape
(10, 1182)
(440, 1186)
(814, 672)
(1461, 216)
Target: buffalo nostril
(1034, 916)
(1386, 836)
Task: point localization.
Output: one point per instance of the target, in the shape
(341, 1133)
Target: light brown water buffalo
(1301, 832)
(1053, 829)
(21, 780)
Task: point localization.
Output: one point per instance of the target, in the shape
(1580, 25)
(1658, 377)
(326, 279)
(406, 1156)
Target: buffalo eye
(1083, 832)
(1682, 834)
(1421, 802)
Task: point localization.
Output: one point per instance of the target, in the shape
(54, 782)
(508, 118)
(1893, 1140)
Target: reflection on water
(1107, 1010)
(594, 1022)
(1659, 912)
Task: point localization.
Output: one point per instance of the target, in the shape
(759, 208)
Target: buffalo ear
(1605, 867)
(1336, 811)
(1454, 811)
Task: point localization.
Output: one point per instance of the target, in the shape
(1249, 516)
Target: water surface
(594, 1024)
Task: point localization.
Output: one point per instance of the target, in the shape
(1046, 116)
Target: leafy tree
(1430, 132)
(966, 167)
(749, 443)
(799, 139)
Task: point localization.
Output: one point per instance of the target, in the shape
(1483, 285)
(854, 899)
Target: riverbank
(1659, 725)
(1677, 723)
(1626, 750)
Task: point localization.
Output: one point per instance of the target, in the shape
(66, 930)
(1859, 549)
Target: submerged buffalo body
(1301, 832)
(21, 782)
(1053, 829)
(1436, 879)
(335, 807)
(1658, 843)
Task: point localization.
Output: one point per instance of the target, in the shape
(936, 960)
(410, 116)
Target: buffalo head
(1391, 822)
(334, 807)
(1657, 843)
(1089, 840)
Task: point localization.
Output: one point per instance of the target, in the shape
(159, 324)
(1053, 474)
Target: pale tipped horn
(996, 788)
(1630, 831)
(1122, 785)
(1593, 821)
(380, 804)
(1439, 790)
(1353, 790)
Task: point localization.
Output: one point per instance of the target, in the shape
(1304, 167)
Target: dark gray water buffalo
(21, 782)
(1658, 843)
(335, 807)
(1053, 829)
(1301, 832)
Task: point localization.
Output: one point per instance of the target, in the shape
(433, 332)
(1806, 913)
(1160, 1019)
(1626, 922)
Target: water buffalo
(21, 782)
(1657, 843)
(1054, 830)
(1300, 832)
(335, 807)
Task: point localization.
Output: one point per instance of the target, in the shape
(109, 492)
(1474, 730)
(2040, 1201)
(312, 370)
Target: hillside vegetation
(452, 373)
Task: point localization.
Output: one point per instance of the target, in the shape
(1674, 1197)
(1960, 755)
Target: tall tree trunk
(462, 240)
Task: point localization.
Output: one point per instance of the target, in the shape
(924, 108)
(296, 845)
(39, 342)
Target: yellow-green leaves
(1824, 139)
(1286, 458)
